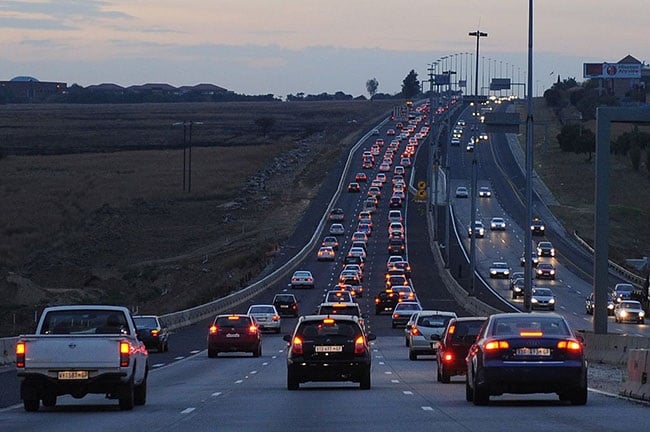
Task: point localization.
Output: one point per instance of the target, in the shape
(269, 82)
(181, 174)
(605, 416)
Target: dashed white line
(427, 408)
(388, 373)
(395, 381)
(239, 381)
(407, 392)
(195, 351)
(253, 372)
(158, 365)
(179, 358)
(382, 363)
(188, 410)
(215, 394)
(265, 364)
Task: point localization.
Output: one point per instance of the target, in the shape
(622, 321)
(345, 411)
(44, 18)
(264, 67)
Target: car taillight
(252, 329)
(452, 329)
(377, 301)
(154, 332)
(395, 316)
(276, 318)
(125, 352)
(496, 345)
(569, 345)
(21, 349)
(447, 357)
(213, 329)
(359, 345)
(296, 347)
(415, 331)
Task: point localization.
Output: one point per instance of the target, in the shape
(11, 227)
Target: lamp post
(472, 240)
(528, 247)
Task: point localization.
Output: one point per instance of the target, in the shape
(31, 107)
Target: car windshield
(631, 305)
(145, 322)
(529, 326)
(283, 298)
(433, 321)
(338, 310)
(85, 322)
(542, 292)
(326, 329)
(261, 310)
(233, 321)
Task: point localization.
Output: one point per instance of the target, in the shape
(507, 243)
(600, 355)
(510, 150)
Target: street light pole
(528, 267)
(472, 240)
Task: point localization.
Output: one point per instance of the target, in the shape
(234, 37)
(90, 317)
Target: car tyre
(292, 381)
(412, 355)
(579, 396)
(469, 393)
(212, 353)
(443, 375)
(406, 342)
(481, 396)
(258, 351)
(31, 405)
(364, 384)
(127, 397)
(140, 393)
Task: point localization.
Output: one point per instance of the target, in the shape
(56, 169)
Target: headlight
(493, 272)
(552, 272)
(610, 306)
(506, 272)
(552, 252)
(516, 289)
(623, 313)
(642, 314)
(539, 272)
(552, 301)
(533, 300)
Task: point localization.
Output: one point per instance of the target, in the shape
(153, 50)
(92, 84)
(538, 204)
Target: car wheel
(364, 384)
(394, 325)
(258, 351)
(161, 346)
(277, 330)
(49, 401)
(481, 395)
(140, 393)
(641, 321)
(31, 405)
(615, 318)
(579, 396)
(377, 311)
(469, 393)
(412, 355)
(406, 342)
(292, 381)
(127, 397)
(444, 375)
(212, 353)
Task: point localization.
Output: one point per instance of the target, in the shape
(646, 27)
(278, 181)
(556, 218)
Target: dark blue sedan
(526, 353)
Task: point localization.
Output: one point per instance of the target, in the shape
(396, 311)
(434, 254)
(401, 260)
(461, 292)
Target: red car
(361, 177)
(234, 333)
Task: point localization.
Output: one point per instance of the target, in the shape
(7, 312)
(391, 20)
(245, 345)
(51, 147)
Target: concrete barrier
(636, 384)
(8, 346)
(612, 348)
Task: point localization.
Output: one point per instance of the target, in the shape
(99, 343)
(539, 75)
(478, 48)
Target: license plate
(284, 306)
(329, 348)
(232, 335)
(73, 375)
(533, 351)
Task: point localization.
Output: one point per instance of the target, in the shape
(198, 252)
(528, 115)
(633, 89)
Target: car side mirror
(286, 338)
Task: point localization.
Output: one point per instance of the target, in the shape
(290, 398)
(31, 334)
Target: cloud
(63, 9)
(34, 24)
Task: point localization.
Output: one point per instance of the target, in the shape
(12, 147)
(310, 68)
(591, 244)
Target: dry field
(94, 211)
(571, 178)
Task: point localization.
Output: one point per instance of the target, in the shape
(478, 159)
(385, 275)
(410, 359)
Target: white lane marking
(179, 358)
(388, 373)
(158, 365)
(188, 410)
(215, 394)
(407, 392)
(239, 381)
(195, 351)
(265, 364)
(382, 363)
(427, 408)
(253, 372)
(395, 381)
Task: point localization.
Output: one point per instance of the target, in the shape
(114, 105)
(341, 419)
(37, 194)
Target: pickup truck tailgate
(64, 351)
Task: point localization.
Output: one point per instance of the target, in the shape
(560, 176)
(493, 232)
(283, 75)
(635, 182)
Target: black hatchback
(328, 348)
(454, 344)
(286, 304)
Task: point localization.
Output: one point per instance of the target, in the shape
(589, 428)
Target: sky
(311, 46)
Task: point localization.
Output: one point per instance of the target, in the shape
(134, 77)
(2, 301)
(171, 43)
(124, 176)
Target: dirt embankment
(116, 227)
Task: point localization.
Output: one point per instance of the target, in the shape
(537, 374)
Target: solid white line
(188, 410)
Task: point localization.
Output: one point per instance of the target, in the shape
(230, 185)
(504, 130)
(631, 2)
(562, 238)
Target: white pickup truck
(79, 350)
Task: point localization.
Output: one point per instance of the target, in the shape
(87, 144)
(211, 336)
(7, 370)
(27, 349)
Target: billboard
(442, 79)
(500, 84)
(611, 70)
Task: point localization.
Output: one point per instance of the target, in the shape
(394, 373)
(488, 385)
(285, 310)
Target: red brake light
(531, 333)
(359, 346)
(377, 301)
(297, 346)
(21, 349)
(496, 345)
(569, 345)
(448, 357)
(415, 331)
(125, 351)
(275, 317)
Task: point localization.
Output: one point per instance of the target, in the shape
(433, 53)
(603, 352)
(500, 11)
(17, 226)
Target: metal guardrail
(634, 278)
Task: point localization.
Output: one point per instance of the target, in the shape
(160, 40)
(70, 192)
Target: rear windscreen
(85, 322)
(344, 310)
(319, 330)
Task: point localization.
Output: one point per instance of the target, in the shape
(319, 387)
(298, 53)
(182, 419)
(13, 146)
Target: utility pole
(528, 247)
(472, 240)
(187, 152)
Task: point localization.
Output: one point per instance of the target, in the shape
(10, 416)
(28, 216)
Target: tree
(410, 85)
(371, 86)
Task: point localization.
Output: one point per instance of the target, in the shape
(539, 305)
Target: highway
(187, 390)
